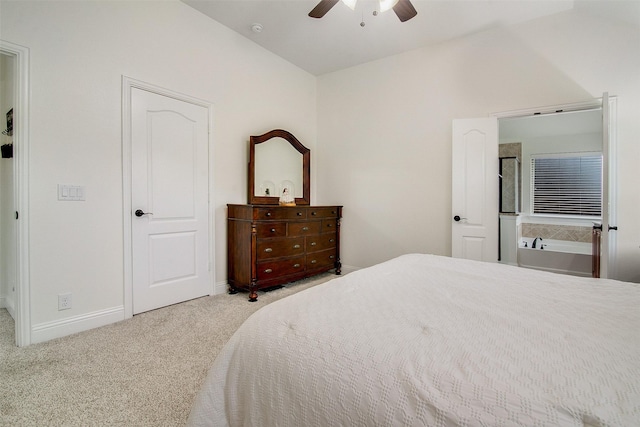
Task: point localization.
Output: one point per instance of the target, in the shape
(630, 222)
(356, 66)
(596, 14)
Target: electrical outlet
(64, 301)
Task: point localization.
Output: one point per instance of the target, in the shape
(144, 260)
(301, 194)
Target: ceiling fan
(403, 8)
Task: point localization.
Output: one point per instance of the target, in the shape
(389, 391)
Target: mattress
(425, 340)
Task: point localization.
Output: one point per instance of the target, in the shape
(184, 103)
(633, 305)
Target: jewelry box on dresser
(271, 240)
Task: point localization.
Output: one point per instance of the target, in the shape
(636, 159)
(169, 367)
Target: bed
(425, 340)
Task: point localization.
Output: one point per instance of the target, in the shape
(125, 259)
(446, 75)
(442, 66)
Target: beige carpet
(144, 371)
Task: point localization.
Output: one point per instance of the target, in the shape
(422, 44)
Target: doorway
(561, 148)
(14, 224)
(7, 225)
(485, 197)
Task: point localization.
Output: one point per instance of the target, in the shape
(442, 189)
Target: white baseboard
(220, 287)
(346, 269)
(71, 325)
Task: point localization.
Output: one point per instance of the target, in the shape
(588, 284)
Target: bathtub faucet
(533, 245)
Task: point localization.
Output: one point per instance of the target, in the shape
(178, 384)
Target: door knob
(457, 218)
(140, 213)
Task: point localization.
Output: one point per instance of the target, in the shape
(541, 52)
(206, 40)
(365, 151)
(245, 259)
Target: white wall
(384, 128)
(79, 52)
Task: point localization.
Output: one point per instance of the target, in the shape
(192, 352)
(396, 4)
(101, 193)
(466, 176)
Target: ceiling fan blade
(405, 10)
(322, 8)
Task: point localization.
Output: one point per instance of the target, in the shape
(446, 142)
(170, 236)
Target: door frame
(593, 104)
(128, 84)
(21, 189)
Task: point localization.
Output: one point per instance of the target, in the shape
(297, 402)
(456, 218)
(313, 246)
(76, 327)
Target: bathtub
(558, 256)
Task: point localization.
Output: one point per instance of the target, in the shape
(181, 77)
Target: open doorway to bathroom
(544, 225)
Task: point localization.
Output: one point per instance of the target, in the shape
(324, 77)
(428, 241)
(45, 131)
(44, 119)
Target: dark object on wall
(7, 151)
(9, 130)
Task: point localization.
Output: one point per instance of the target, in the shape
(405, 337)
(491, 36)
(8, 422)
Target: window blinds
(567, 185)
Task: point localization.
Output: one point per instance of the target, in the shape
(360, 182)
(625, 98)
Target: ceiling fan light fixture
(403, 8)
(387, 4)
(351, 3)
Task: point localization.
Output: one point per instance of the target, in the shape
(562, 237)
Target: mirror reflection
(278, 165)
(279, 170)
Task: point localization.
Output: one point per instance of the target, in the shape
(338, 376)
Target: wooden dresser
(269, 245)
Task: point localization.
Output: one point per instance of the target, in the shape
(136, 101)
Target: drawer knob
(268, 213)
(268, 250)
(296, 265)
(329, 225)
(273, 230)
(313, 261)
(305, 228)
(268, 270)
(299, 214)
(313, 243)
(331, 240)
(314, 213)
(331, 257)
(296, 246)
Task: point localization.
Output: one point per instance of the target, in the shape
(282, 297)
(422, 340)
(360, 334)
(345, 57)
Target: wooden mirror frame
(306, 168)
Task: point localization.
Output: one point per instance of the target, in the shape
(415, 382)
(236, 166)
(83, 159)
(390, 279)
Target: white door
(475, 187)
(169, 199)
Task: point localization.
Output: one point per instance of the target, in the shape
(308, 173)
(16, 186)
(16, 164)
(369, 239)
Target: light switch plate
(71, 192)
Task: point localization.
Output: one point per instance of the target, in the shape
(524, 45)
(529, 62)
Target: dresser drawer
(281, 213)
(320, 242)
(321, 259)
(272, 269)
(271, 229)
(304, 228)
(322, 213)
(275, 248)
(328, 225)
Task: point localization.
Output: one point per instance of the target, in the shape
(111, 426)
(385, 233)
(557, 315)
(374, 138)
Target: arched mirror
(278, 161)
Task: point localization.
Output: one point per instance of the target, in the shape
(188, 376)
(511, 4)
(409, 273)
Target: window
(567, 185)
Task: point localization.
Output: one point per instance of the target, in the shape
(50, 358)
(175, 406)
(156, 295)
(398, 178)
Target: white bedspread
(424, 340)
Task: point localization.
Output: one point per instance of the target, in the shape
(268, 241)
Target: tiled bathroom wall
(513, 149)
(511, 183)
(557, 232)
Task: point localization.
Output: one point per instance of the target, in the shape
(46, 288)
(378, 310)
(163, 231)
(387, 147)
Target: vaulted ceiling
(338, 40)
